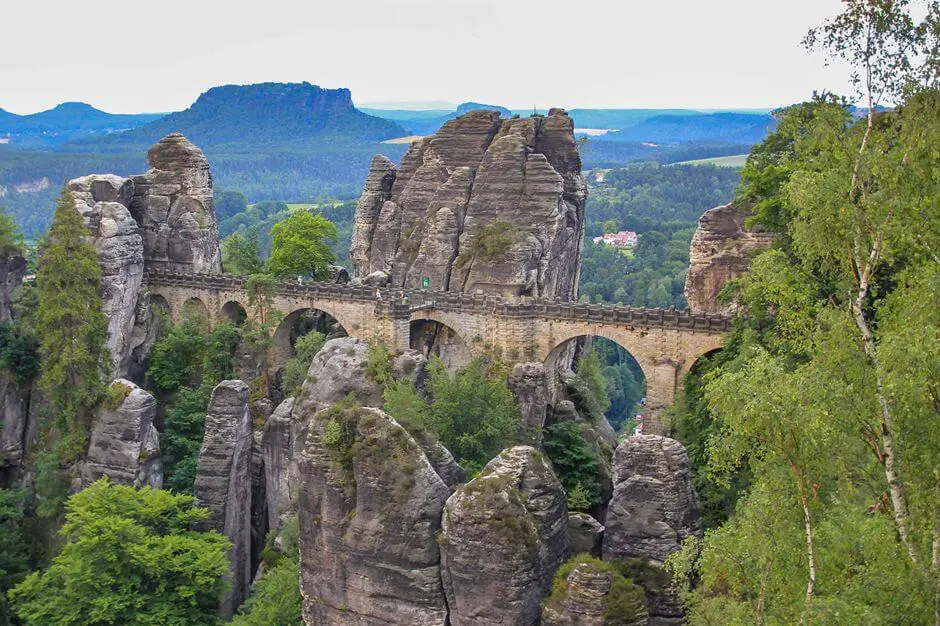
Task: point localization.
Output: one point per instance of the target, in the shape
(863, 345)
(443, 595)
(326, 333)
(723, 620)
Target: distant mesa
(65, 122)
(259, 114)
(466, 107)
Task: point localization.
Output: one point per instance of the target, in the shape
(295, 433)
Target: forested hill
(65, 122)
(257, 115)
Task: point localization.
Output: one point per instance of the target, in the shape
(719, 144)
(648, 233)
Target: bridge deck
(523, 307)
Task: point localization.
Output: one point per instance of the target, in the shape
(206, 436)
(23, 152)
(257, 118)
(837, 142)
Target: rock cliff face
(654, 507)
(504, 535)
(12, 270)
(161, 219)
(339, 369)
(223, 481)
(102, 199)
(485, 203)
(529, 383)
(124, 444)
(595, 595)
(172, 204)
(721, 251)
(370, 510)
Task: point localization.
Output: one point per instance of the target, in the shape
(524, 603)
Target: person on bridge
(378, 294)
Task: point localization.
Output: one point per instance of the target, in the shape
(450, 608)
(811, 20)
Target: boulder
(654, 506)
(504, 535)
(585, 534)
(370, 510)
(480, 187)
(223, 482)
(172, 204)
(721, 251)
(594, 594)
(124, 444)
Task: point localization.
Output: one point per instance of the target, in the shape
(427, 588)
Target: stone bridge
(665, 342)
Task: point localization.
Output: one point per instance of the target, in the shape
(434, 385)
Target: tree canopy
(300, 246)
(130, 557)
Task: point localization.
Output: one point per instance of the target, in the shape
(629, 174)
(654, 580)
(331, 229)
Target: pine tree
(71, 325)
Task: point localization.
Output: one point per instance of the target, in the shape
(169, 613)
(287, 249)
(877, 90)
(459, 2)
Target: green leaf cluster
(471, 411)
(300, 247)
(70, 323)
(575, 463)
(186, 363)
(130, 557)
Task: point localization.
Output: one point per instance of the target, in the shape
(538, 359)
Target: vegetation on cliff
(827, 399)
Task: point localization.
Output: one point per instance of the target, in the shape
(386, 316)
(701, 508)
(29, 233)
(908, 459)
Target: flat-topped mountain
(259, 114)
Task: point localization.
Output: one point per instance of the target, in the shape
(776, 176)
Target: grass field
(735, 160)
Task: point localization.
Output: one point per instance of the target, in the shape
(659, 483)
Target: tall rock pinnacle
(484, 204)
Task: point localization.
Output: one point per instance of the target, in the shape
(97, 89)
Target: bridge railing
(523, 307)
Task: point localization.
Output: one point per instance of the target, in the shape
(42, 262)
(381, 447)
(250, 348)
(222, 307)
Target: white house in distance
(623, 239)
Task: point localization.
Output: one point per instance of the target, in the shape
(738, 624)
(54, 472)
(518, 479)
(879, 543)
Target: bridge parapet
(456, 302)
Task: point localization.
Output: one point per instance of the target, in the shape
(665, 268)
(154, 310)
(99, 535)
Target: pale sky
(129, 56)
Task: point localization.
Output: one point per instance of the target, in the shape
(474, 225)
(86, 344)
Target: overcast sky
(129, 56)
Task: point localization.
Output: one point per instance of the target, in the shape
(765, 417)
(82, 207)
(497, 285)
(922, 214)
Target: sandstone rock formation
(485, 203)
(370, 510)
(595, 594)
(281, 449)
(722, 248)
(654, 506)
(16, 428)
(584, 534)
(12, 270)
(172, 204)
(529, 383)
(504, 535)
(161, 219)
(223, 482)
(339, 369)
(124, 444)
(102, 199)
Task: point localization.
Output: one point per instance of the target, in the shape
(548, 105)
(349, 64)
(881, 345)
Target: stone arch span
(297, 323)
(194, 307)
(235, 312)
(664, 354)
(437, 333)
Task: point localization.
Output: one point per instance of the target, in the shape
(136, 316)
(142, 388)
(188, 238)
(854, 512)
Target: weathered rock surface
(654, 506)
(340, 368)
(102, 199)
(721, 251)
(164, 219)
(370, 510)
(12, 270)
(595, 595)
(504, 535)
(585, 534)
(172, 203)
(15, 426)
(223, 481)
(124, 444)
(281, 449)
(485, 203)
(529, 383)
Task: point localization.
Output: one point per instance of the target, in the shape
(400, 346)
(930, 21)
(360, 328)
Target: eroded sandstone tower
(485, 204)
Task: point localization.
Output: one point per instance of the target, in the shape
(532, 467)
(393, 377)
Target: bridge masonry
(666, 343)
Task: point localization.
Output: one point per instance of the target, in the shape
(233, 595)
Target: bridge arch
(299, 322)
(235, 312)
(194, 308)
(435, 332)
(623, 373)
